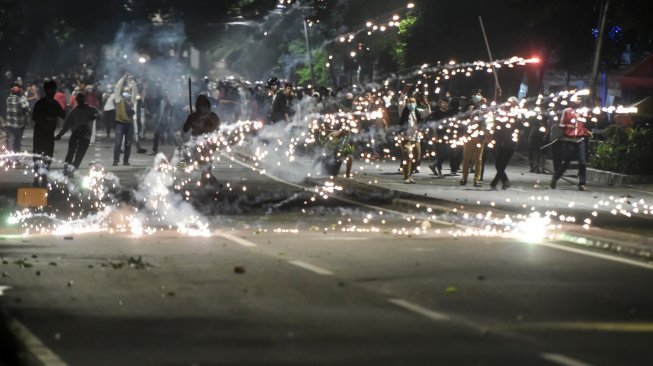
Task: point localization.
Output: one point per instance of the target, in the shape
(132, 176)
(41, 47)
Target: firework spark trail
(288, 150)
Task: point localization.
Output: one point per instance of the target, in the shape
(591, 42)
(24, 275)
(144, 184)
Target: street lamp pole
(308, 49)
(599, 44)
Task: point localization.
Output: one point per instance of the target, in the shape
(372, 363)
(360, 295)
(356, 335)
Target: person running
(45, 115)
(80, 121)
(574, 143)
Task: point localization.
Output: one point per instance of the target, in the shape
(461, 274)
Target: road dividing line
(235, 239)
(312, 268)
(433, 315)
(35, 346)
(562, 359)
(599, 255)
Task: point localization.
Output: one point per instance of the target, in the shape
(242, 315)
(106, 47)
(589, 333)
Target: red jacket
(61, 99)
(572, 125)
(91, 99)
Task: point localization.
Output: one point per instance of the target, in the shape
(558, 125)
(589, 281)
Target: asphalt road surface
(310, 297)
(282, 282)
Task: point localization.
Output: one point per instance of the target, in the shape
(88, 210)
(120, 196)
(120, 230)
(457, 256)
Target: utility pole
(310, 56)
(605, 4)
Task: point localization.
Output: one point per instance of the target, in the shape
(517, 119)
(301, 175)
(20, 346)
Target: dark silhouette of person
(80, 121)
(202, 121)
(45, 115)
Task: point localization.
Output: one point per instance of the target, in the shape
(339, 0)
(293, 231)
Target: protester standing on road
(574, 143)
(506, 135)
(537, 133)
(124, 99)
(32, 95)
(282, 105)
(80, 121)
(554, 133)
(202, 121)
(441, 146)
(475, 142)
(46, 114)
(109, 110)
(163, 131)
(17, 115)
(410, 120)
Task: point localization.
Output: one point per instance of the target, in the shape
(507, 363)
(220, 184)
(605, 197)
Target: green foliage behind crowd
(626, 150)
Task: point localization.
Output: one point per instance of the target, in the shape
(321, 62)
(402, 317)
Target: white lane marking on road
(433, 315)
(35, 346)
(599, 255)
(3, 289)
(349, 238)
(562, 359)
(238, 240)
(312, 268)
(517, 189)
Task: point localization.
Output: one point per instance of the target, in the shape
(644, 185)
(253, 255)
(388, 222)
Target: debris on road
(239, 269)
(23, 263)
(131, 262)
(451, 290)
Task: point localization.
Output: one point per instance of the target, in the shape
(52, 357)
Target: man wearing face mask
(124, 121)
(410, 119)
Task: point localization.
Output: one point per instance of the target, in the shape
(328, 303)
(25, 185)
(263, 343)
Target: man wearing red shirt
(60, 97)
(574, 143)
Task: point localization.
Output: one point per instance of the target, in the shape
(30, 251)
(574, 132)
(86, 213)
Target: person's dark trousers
(442, 153)
(573, 151)
(455, 157)
(14, 138)
(77, 148)
(557, 154)
(43, 151)
(503, 156)
(124, 131)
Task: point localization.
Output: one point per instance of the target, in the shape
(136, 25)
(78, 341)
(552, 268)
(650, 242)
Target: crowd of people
(349, 123)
